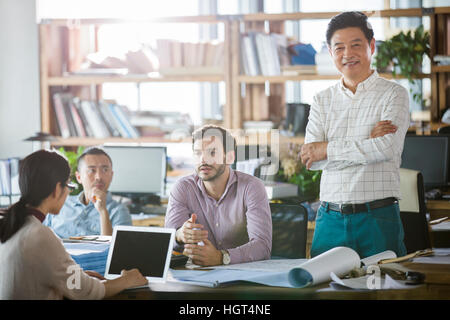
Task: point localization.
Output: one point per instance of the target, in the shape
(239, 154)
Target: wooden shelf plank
(89, 141)
(440, 68)
(89, 80)
(284, 78)
(415, 12)
(412, 12)
(179, 19)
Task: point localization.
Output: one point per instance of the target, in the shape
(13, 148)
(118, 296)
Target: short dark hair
(349, 19)
(93, 151)
(228, 141)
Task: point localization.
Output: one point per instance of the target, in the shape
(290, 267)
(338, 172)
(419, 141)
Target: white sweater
(35, 265)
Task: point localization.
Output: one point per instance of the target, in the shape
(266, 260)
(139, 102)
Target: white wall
(19, 76)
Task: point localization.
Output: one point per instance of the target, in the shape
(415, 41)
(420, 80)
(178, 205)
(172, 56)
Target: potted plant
(72, 159)
(293, 171)
(404, 53)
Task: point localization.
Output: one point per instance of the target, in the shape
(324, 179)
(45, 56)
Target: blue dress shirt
(78, 219)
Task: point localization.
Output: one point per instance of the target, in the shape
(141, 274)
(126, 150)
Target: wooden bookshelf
(256, 84)
(235, 106)
(56, 33)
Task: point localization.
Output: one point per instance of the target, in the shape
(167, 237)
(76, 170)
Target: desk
(438, 208)
(155, 221)
(437, 286)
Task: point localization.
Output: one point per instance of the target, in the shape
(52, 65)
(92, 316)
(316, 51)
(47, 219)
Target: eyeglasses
(71, 186)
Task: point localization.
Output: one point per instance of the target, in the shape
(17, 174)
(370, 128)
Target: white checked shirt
(359, 169)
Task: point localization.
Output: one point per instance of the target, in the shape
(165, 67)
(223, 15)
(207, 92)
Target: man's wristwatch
(225, 257)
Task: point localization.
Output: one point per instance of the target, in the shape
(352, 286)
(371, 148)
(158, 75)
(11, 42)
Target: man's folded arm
(345, 153)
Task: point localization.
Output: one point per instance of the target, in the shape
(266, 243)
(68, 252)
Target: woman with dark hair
(34, 262)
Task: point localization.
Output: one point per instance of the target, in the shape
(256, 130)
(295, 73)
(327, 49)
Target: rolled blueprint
(339, 260)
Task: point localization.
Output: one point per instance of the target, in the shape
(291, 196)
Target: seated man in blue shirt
(93, 211)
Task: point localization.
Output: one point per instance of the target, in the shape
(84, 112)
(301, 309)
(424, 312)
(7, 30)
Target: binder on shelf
(108, 118)
(66, 98)
(61, 115)
(5, 177)
(9, 181)
(93, 120)
(263, 54)
(87, 127)
(81, 132)
(249, 55)
(131, 132)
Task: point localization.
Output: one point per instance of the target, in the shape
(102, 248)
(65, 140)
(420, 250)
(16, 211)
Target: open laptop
(148, 249)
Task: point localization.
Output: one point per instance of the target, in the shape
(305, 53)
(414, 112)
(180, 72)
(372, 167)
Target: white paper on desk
(339, 260)
(301, 272)
(443, 226)
(440, 256)
(377, 257)
(433, 260)
(264, 265)
(361, 283)
(293, 273)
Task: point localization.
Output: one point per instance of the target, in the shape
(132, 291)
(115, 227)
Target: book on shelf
(92, 117)
(118, 111)
(82, 118)
(263, 54)
(176, 57)
(61, 115)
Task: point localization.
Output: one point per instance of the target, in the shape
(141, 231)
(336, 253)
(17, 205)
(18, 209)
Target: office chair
(289, 227)
(413, 210)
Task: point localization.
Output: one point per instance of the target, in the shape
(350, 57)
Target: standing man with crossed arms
(355, 134)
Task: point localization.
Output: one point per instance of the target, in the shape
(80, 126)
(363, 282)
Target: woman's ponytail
(13, 219)
(39, 173)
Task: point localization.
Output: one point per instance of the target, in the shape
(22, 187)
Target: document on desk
(297, 273)
(367, 283)
(440, 256)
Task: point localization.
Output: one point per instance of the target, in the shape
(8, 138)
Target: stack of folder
(89, 255)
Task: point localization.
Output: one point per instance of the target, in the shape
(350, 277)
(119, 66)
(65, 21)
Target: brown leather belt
(359, 207)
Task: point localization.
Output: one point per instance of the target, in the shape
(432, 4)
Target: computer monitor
(429, 155)
(138, 170)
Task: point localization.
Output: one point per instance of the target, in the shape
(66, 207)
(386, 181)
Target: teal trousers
(367, 233)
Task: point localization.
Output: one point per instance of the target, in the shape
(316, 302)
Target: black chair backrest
(289, 230)
(415, 224)
(443, 130)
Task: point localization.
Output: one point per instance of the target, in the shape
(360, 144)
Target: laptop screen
(144, 250)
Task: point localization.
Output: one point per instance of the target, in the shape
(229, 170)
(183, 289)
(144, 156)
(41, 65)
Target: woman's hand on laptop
(128, 279)
(134, 278)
